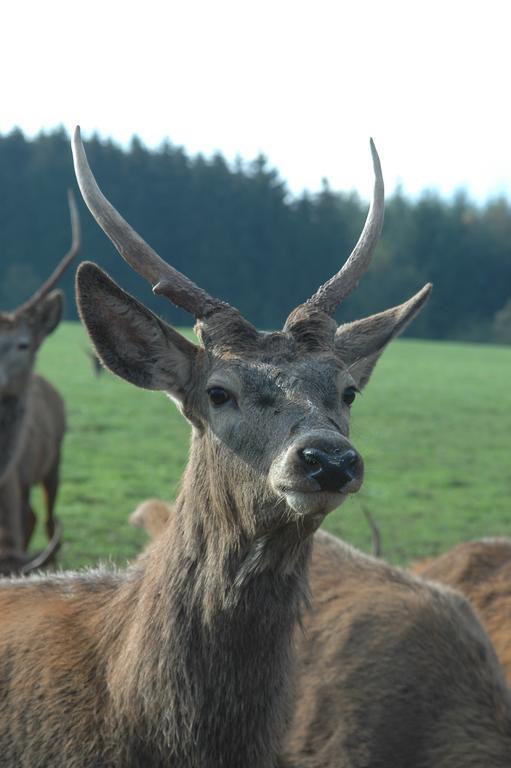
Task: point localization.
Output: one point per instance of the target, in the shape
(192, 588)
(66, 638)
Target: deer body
(36, 461)
(393, 671)
(45, 431)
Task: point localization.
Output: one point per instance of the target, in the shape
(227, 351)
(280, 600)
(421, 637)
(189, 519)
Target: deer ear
(130, 340)
(47, 314)
(361, 343)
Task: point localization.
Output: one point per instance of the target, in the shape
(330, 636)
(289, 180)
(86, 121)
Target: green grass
(433, 427)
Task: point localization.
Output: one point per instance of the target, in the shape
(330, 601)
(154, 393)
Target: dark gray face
(17, 352)
(20, 337)
(288, 420)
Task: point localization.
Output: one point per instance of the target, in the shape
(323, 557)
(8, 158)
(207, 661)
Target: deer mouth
(311, 503)
(307, 496)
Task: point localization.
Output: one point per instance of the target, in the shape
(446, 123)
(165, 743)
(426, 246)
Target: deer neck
(226, 607)
(14, 406)
(12, 414)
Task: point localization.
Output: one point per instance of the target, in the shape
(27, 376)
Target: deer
(32, 421)
(186, 658)
(152, 515)
(392, 671)
(481, 571)
(384, 656)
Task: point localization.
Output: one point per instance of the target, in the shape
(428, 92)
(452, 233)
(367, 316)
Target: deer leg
(11, 514)
(51, 486)
(28, 520)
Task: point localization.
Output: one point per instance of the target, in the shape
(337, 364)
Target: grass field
(434, 427)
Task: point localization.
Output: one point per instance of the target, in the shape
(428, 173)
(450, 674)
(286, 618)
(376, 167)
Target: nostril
(311, 457)
(348, 459)
(332, 469)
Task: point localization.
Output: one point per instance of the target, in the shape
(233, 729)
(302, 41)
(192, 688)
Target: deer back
(393, 670)
(481, 571)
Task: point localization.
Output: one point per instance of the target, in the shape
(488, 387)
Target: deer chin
(312, 504)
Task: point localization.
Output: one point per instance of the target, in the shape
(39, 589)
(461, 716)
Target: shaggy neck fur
(211, 638)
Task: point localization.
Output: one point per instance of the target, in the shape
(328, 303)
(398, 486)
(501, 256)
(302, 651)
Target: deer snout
(332, 469)
(317, 471)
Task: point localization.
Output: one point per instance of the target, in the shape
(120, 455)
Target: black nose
(331, 469)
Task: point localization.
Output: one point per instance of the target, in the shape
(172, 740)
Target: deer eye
(349, 394)
(218, 396)
(22, 345)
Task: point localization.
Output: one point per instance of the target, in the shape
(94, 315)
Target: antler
(166, 280)
(330, 294)
(66, 261)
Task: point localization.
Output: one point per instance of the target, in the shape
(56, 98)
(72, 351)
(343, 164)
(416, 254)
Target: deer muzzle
(317, 472)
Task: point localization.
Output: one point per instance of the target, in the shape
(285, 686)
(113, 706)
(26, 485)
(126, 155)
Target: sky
(306, 83)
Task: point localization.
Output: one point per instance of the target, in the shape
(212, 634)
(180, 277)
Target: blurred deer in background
(152, 516)
(187, 658)
(393, 672)
(32, 421)
(480, 570)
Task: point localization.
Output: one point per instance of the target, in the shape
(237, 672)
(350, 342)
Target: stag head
(23, 330)
(270, 411)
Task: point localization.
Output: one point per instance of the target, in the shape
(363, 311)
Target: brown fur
(480, 570)
(384, 655)
(152, 515)
(393, 672)
(124, 669)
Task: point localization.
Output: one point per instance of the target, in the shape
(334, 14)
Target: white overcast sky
(306, 83)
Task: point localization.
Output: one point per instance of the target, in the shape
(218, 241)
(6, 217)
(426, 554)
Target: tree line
(237, 231)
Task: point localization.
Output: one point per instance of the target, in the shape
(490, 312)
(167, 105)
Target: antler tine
(46, 287)
(166, 280)
(331, 293)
